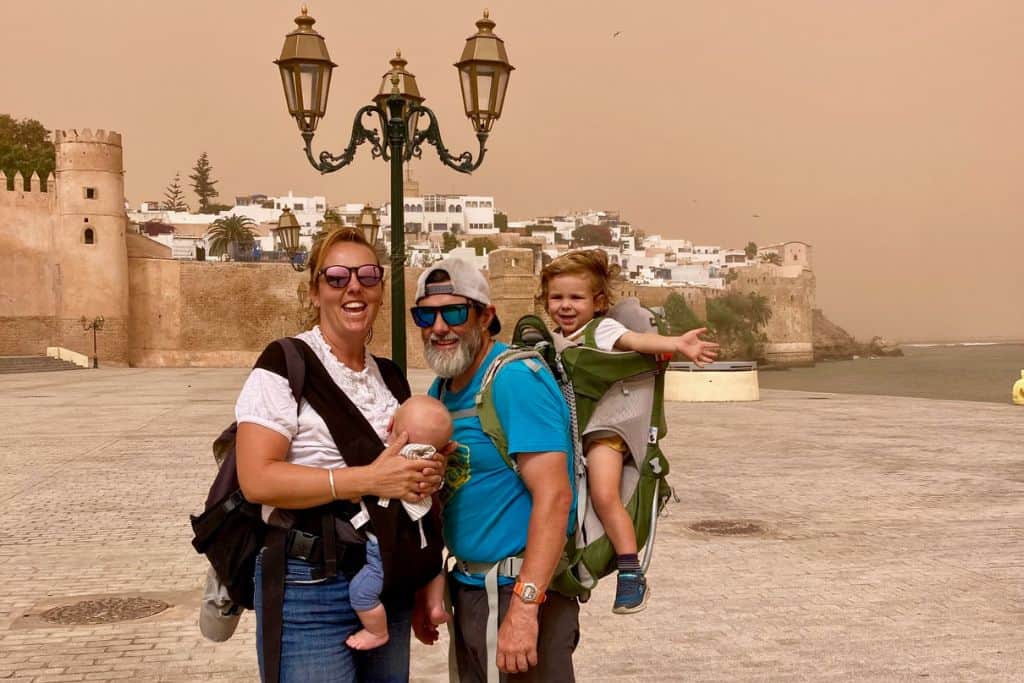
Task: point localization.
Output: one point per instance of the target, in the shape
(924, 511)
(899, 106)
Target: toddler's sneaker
(631, 593)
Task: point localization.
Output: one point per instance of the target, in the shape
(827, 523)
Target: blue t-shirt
(486, 505)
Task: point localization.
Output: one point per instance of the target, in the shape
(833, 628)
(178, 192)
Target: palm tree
(229, 234)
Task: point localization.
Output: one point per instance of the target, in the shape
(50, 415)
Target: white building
(468, 216)
(190, 228)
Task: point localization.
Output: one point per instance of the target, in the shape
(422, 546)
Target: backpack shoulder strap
(296, 365)
(590, 332)
(485, 408)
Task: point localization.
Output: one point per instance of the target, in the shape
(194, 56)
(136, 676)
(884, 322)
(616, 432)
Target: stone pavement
(893, 540)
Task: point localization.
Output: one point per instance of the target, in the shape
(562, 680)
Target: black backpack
(231, 530)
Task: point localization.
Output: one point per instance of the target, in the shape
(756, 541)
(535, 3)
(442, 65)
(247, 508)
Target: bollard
(1018, 390)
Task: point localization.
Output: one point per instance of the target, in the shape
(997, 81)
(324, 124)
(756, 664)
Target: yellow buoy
(1018, 390)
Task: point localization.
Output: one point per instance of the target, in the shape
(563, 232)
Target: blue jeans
(318, 618)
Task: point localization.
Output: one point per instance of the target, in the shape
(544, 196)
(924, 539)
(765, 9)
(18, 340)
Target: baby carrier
(607, 391)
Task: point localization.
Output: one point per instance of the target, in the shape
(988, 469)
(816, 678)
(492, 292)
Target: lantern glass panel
(484, 82)
(502, 86)
(289, 89)
(325, 88)
(468, 96)
(307, 82)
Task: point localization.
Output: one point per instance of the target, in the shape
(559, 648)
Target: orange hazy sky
(886, 133)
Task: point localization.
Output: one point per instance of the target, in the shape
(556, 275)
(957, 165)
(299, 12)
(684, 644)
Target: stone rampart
(790, 294)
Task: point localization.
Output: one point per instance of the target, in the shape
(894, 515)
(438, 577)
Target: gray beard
(454, 362)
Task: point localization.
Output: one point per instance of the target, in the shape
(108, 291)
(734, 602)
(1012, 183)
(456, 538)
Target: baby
(429, 426)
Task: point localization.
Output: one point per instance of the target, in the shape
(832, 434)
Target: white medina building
(261, 209)
(467, 215)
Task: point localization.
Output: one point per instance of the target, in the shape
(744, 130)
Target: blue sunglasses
(452, 314)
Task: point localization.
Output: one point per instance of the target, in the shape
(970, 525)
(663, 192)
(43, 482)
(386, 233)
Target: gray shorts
(558, 635)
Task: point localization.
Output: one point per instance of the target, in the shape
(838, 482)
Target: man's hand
(517, 638)
(422, 627)
(696, 349)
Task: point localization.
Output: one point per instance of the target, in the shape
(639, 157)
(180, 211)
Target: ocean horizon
(961, 371)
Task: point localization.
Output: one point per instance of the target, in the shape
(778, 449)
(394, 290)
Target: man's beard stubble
(454, 362)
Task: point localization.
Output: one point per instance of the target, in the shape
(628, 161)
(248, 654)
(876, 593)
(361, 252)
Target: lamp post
(484, 69)
(287, 236)
(369, 224)
(95, 324)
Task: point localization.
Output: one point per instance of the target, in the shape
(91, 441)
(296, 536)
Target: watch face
(529, 592)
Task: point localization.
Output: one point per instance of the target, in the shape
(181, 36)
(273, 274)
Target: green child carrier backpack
(607, 391)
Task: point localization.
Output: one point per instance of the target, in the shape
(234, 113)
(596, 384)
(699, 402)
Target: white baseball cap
(463, 280)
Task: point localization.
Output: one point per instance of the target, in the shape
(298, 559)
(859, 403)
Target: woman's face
(347, 312)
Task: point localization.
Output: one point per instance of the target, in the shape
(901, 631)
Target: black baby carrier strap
(407, 565)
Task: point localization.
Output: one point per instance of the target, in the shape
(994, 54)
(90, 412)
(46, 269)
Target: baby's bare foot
(365, 640)
(437, 615)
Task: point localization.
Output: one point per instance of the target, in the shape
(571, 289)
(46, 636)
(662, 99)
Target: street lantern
(397, 109)
(369, 224)
(483, 73)
(305, 73)
(287, 234)
(399, 84)
(95, 325)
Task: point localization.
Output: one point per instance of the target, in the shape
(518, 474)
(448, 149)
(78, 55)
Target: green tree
(500, 221)
(448, 242)
(174, 196)
(738, 321)
(25, 146)
(230, 235)
(750, 250)
(592, 236)
(203, 182)
(771, 257)
(679, 315)
(480, 244)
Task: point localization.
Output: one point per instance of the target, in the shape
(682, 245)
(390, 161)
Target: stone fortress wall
(68, 255)
(65, 248)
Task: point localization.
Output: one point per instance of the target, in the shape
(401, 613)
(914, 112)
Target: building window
(90, 192)
(88, 236)
(299, 207)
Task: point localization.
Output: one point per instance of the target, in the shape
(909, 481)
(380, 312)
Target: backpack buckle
(300, 545)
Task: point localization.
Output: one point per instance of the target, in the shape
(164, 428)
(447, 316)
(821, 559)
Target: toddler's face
(571, 302)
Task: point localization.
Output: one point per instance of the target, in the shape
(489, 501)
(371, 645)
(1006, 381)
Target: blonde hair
(318, 256)
(592, 263)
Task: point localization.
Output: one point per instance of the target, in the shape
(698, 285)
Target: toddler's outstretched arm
(690, 345)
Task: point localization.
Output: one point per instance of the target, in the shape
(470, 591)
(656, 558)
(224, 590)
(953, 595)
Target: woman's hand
(392, 475)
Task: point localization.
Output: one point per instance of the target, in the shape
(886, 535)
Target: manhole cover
(104, 611)
(728, 527)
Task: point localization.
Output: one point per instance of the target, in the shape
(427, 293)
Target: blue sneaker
(631, 593)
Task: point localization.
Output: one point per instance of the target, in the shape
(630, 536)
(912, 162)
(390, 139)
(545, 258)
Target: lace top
(266, 400)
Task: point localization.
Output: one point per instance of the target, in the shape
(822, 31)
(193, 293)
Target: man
(505, 528)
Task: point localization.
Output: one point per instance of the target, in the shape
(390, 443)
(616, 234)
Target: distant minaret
(90, 252)
(412, 186)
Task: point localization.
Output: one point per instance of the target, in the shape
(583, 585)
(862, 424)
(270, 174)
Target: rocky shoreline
(832, 342)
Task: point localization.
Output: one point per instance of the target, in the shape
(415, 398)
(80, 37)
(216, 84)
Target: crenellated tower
(89, 248)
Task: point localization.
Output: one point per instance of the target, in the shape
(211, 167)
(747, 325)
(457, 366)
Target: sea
(962, 371)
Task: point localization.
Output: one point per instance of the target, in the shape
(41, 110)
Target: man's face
(451, 350)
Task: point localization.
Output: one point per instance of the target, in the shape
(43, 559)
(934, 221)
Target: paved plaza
(891, 543)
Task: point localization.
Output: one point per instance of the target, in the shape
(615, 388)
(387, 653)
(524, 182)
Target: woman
(297, 461)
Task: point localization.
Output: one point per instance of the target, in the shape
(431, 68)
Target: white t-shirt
(266, 399)
(607, 333)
